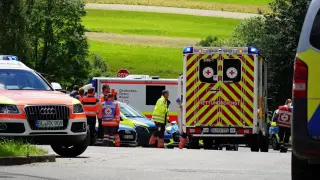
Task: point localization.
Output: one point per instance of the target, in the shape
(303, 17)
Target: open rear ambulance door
(181, 119)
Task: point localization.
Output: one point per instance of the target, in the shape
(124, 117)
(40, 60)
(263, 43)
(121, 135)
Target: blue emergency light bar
(188, 50)
(253, 50)
(9, 58)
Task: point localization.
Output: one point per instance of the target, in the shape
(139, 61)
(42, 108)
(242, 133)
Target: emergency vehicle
(141, 91)
(30, 108)
(224, 97)
(306, 99)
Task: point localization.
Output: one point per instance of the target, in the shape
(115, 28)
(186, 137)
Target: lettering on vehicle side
(212, 103)
(124, 95)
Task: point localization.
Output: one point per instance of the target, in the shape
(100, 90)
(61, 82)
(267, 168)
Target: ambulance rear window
(208, 70)
(231, 70)
(153, 93)
(315, 32)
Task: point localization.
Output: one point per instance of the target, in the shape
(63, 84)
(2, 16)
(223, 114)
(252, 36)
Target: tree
(276, 35)
(59, 45)
(98, 67)
(12, 32)
(283, 27)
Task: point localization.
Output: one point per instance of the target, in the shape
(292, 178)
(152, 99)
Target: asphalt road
(196, 12)
(157, 164)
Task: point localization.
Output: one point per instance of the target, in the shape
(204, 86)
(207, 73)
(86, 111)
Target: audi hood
(24, 97)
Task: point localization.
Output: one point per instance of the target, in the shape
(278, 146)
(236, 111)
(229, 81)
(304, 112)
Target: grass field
(17, 148)
(160, 61)
(250, 6)
(157, 24)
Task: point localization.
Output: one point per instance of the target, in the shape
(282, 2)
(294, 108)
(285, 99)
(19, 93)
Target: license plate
(128, 136)
(49, 123)
(223, 130)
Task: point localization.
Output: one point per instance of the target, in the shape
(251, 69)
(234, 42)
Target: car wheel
(207, 143)
(302, 170)
(254, 146)
(275, 144)
(264, 143)
(72, 150)
(194, 143)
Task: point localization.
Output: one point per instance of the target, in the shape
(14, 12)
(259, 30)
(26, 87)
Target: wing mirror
(56, 86)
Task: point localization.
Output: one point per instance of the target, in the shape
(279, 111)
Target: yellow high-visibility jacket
(161, 111)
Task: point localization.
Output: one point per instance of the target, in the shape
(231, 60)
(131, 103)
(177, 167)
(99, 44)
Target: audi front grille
(35, 113)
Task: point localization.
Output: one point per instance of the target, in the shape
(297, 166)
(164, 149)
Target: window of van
(153, 93)
(315, 32)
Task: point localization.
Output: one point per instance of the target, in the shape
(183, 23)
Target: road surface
(172, 10)
(157, 164)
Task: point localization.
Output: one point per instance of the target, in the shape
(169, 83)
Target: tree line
(47, 35)
(276, 35)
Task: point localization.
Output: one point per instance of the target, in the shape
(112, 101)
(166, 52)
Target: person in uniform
(160, 117)
(110, 114)
(91, 106)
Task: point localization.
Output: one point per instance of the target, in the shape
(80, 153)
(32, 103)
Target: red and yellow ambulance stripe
(206, 115)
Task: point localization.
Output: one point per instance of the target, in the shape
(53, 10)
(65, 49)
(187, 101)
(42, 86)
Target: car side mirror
(56, 86)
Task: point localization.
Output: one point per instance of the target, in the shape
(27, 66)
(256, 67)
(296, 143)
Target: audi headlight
(9, 109)
(77, 108)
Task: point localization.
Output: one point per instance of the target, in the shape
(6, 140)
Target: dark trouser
(91, 121)
(160, 130)
(284, 134)
(100, 130)
(109, 132)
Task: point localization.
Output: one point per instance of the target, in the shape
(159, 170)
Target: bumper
(303, 146)
(75, 131)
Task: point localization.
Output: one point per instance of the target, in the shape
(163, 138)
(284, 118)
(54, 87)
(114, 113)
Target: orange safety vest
(284, 116)
(110, 113)
(90, 105)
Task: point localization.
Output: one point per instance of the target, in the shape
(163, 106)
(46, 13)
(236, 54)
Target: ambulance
(141, 91)
(223, 94)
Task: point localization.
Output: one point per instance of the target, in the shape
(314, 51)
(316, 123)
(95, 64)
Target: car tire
(228, 148)
(207, 143)
(254, 145)
(302, 170)
(264, 143)
(275, 144)
(72, 150)
(194, 143)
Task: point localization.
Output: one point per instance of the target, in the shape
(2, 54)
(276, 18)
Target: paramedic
(75, 91)
(160, 117)
(103, 95)
(110, 113)
(91, 105)
(81, 94)
(284, 118)
(105, 92)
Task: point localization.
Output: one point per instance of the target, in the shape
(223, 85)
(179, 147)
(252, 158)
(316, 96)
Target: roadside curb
(11, 161)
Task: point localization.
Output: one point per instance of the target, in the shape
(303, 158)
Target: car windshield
(19, 79)
(130, 112)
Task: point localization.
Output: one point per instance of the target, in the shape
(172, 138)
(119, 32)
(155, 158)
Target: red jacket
(284, 116)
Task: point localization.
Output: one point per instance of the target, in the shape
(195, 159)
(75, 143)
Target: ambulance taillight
(300, 79)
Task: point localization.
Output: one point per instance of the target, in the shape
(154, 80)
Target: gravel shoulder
(187, 11)
(142, 40)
